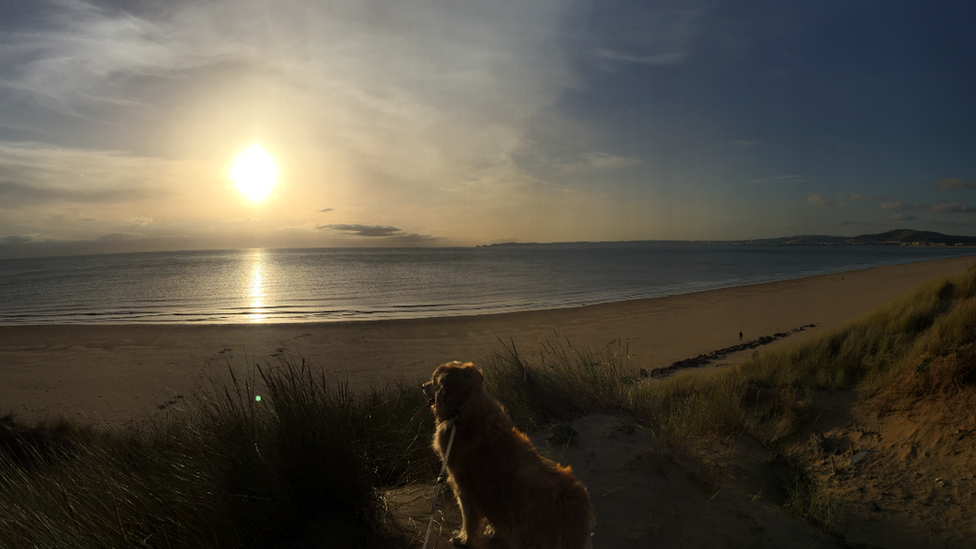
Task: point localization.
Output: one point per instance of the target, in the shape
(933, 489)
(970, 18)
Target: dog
(528, 501)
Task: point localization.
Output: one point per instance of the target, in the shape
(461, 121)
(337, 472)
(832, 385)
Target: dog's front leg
(472, 522)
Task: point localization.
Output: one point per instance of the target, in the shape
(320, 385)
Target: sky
(468, 122)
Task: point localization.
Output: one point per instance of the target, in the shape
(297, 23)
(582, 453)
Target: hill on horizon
(896, 237)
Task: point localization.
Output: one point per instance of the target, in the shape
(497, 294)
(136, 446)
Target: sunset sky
(460, 122)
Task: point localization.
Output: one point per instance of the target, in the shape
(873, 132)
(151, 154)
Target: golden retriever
(496, 473)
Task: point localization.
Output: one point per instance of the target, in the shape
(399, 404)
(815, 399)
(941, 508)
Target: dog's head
(451, 385)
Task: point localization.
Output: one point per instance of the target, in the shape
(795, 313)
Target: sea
(362, 284)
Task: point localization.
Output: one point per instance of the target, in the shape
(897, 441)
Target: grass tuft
(810, 498)
(561, 384)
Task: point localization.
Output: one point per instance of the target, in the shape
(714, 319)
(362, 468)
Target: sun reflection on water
(256, 311)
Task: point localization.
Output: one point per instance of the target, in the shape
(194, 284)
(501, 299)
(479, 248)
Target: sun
(254, 173)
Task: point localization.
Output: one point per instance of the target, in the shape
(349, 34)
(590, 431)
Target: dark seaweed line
(706, 358)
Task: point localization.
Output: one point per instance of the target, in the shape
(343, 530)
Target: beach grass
(559, 383)
(922, 345)
(305, 466)
(299, 467)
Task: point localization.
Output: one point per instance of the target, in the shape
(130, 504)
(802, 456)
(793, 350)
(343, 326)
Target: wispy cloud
(647, 33)
(952, 207)
(119, 237)
(76, 194)
(599, 161)
(820, 201)
(390, 85)
(895, 206)
(667, 58)
(782, 179)
(16, 195)
(903, 217)
(953, 184)
(30, 245)
(36, 173)
(81, 56)
(140, 221)
(607, 161)
(865, 198)
(849, 223)
(960, 224)
(18, 239)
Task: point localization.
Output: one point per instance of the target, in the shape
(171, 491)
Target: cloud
(667, 58)
(895, 206)
(76, 58)
(15, 195)
(78, 194)
(953, 184)
(865, 198)
(140, 221)
(119, 237)
(31, 173)
(952, 207)
(420, 90)
(820, 202)
(29, 245)
(599, 161)
(857, 223)
(645, 33)
(17, 239)
(952, 223)
(324, 210)
(607, 161)
(371, 231)
(886, 205)
(377, 231)
(781, 179)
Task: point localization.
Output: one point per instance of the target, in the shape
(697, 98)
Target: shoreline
(123, 373)
(69, 305)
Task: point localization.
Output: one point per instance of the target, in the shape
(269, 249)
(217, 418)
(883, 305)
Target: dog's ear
(474, 376)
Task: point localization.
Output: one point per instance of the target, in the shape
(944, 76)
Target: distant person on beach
(740, 336)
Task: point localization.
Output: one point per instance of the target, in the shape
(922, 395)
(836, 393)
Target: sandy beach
(118, 374)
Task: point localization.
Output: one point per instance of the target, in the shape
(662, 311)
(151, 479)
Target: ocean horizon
(359, 284)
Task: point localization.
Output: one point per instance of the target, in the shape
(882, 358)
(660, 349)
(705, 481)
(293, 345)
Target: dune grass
(299, 467)
(867, 355)
(761, 396)
(920, 346)
(305, 465)
(560, 383)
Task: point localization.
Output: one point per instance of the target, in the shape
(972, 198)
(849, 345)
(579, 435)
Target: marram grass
(302, 466)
